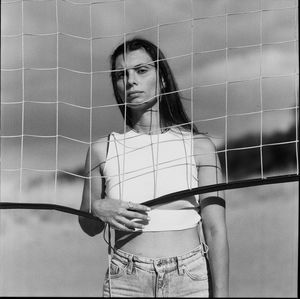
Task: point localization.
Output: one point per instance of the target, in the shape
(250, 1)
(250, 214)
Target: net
(237, 75)
(236, 65)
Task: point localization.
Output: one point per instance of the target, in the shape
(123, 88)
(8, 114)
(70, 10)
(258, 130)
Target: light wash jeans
(180, 276)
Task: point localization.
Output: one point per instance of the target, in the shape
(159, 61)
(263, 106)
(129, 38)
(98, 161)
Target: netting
(236, 65)
(237, 72)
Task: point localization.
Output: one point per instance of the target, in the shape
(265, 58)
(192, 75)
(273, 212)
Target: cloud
(174, 38)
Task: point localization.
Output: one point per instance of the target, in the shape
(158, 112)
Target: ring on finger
(130, 205)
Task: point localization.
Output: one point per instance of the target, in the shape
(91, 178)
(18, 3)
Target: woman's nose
(131, 78)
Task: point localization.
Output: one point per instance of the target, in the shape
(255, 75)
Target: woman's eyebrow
(144, 64)
(136, 66)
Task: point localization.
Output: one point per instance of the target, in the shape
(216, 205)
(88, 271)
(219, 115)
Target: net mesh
(235, 63)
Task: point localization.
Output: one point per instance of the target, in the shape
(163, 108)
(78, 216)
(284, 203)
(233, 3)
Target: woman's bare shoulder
(203, 144)
(204, 149)
(98, 149)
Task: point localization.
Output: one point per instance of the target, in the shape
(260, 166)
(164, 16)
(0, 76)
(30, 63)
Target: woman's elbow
(90, 227)
(215, 231)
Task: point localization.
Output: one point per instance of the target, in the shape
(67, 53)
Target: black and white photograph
(149, 148)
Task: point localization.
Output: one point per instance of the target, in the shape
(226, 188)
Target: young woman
(157, 252)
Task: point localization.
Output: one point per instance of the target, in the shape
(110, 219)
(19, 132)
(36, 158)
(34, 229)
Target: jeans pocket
(197, 269)
(117, 268)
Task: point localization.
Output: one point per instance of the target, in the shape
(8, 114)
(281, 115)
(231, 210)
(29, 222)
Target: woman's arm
(92, 188)
(213, 216)
(218, 254)
(119, 214)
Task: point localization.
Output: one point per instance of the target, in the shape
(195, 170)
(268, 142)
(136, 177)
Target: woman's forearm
(218, 255)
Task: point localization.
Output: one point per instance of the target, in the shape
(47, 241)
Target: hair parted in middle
(171, 109)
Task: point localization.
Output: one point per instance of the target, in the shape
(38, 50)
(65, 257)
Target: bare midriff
(159, 243)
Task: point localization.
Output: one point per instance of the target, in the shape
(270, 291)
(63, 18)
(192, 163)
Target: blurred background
(232, 59)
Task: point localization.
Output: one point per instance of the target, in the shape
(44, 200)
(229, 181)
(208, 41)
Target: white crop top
(141, 167)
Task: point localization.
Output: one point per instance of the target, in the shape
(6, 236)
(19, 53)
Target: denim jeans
(180, 276)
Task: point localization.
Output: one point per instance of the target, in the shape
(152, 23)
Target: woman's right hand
(120, 214)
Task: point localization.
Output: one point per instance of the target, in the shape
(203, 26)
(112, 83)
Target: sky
(55, 124)
(58, 68)
(66, 75)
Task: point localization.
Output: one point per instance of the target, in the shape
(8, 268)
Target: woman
(158, 251)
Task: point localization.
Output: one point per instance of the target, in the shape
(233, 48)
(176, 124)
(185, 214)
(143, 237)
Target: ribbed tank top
(140, 167)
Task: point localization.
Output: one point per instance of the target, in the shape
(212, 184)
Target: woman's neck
(148, 122)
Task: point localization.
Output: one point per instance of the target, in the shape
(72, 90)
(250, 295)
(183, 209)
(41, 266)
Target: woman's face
(137, 85)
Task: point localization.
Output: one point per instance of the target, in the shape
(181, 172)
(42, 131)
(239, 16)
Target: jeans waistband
(167, 263)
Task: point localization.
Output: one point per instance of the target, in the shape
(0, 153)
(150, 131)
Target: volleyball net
(235, 62)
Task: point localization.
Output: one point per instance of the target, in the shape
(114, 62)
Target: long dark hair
(171, 109)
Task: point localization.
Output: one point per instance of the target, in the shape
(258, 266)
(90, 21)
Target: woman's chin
(139, 103)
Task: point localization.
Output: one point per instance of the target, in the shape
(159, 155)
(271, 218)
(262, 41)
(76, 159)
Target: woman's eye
(142, 71)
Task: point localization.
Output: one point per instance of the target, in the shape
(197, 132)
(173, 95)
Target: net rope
(91, 106)
(124, 175)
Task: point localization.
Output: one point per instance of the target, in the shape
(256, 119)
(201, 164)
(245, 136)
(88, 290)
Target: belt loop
(180, 266)
(204, 248)
(130, 264)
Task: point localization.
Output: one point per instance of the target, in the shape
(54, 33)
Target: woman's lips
(134, 94)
